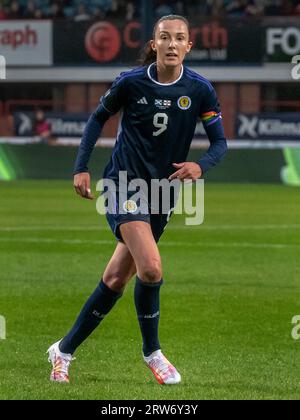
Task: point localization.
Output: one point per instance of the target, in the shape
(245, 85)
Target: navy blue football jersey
(158, 120)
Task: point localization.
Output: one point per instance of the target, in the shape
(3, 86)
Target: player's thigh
(120, 268)
(139, 239)
(159, 223)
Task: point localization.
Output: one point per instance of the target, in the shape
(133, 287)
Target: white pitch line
(230, 245)
(163, 244)
(52, 228)
(171, 227)
(55, 241)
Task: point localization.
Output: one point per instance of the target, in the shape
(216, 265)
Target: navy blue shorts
(158, 222)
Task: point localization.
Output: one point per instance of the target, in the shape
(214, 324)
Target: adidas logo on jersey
(143, 101)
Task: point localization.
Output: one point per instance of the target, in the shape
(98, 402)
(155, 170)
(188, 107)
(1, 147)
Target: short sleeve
(115, 97)
(210, 108)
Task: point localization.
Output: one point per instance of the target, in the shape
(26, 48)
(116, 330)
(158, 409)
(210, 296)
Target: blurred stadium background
(236, 276)
(62, 56)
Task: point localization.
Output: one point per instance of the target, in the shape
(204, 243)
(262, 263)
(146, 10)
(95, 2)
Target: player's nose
(172, 43)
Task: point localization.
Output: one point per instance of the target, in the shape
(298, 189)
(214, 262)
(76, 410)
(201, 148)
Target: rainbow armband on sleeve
(209, 118)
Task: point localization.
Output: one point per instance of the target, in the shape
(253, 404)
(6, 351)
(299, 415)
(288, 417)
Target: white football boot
(60, 364)
(165, 373)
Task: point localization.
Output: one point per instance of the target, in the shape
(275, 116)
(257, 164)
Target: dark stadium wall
(56, 162)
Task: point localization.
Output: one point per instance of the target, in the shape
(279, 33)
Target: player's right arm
(110, 104)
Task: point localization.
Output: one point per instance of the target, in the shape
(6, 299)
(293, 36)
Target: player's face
(171, 42)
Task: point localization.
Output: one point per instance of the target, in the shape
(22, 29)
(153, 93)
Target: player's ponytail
(148, 56)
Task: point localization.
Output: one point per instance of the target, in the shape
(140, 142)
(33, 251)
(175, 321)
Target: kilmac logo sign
(2, 68)
(268, 126)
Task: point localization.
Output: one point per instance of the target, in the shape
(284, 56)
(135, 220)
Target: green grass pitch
(231, 290)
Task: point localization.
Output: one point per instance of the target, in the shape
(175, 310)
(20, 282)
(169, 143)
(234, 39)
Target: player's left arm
(212, 120)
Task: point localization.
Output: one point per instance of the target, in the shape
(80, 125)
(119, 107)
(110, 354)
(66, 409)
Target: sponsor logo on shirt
(163, 103)
(184, 102)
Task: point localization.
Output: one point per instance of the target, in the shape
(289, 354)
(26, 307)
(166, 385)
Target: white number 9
(160, 121)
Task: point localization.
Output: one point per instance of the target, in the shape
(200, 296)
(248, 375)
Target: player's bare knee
(151, 273)
(116, 281)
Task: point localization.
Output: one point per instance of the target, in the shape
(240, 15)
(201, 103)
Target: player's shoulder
(130, 75)
(199, 80)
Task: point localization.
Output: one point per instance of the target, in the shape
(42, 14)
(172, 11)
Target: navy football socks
(146, 298)
(98, 305)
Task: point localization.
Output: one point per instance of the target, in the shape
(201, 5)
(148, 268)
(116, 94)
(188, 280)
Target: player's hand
(186, 170)
(82, 185)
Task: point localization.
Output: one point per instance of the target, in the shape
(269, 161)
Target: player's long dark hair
(148, 56)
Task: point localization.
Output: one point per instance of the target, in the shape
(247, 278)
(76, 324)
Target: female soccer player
(161, 103)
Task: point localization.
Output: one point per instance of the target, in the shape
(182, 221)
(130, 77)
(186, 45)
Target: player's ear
(189, 46)
(152, 45)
